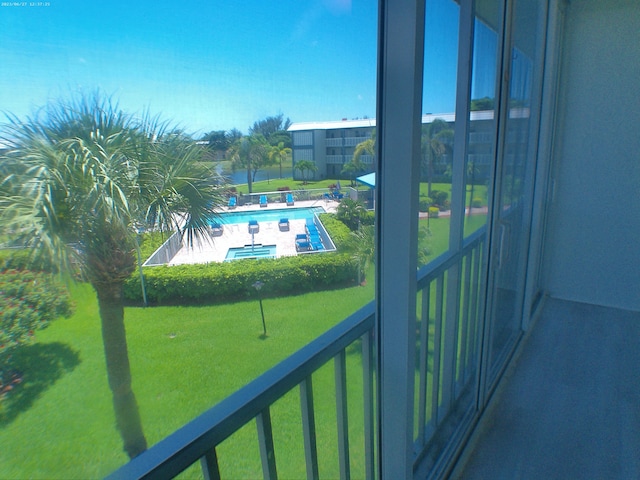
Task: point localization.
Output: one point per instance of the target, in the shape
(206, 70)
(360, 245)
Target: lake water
(240, 176)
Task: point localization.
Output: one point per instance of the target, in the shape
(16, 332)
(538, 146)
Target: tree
(472, 171)
(353, 214)
(270, 126)
(252, 153)
(29, 301)
(484, 103)
(355, 166)
(368, 147)
(83, 176)
(362, 246)
(278, 153)
(234, 135)
(436, 141)
(218, 142)
(304, 166)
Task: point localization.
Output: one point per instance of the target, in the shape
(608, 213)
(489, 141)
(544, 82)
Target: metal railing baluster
(437, 344)
(265, 439)
(309, 428)
(477, 285)
(209, 464)
(367, 390)
(424, 364)
(466, 322)
(340, 363)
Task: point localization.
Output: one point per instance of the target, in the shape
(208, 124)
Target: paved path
(214, 249)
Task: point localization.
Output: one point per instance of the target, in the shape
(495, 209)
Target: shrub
(424, 245)
(151, 241)
(476, 202)
(434, 212)
(29, 301)
(24, 260)
(219, 282)
(439, 197)
(338, 231)
(425, 203)
(353, 213)
(446, 205)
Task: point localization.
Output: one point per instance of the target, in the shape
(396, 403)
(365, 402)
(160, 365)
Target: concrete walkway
(214, 249)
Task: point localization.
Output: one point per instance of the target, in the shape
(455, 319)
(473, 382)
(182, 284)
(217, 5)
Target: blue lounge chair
(290, 199)
(216, 229)
(253, 226)
(303, 246)
(232, 202)
(263, 200)
(283, 224)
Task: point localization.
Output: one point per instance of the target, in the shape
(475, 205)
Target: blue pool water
(269, 215)
(258, 251)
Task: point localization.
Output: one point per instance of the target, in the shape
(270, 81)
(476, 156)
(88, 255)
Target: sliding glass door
(514, 177)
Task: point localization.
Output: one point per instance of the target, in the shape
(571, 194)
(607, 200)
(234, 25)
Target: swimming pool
(256, 251)
(271, 215)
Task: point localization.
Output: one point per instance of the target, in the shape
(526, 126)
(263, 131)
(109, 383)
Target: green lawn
(479, 191)
(273, 185)
(59, 422)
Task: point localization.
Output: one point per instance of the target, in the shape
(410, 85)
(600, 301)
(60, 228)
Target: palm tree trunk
(110, 301)
(471, 196)
(429, 174)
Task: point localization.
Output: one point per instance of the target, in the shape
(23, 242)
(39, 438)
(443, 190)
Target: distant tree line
(267, 143)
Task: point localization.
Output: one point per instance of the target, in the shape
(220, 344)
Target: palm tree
(368, 147)
(362, 247)
(352, 169)
(278, 153)
(351, 213)
(355, 166)
(252, 153)
(304, 166)
(82, 176)
(472, 171)
(436, 142)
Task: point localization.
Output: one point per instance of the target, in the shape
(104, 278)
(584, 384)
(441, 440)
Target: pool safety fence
(165, 252)
(314, 194)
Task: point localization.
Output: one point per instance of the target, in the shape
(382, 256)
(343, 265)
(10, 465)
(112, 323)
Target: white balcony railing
(336, 159)
(333, 142)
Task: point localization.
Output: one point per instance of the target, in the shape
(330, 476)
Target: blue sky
(210, 65)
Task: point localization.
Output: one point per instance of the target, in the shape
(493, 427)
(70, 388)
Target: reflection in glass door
(515, 169)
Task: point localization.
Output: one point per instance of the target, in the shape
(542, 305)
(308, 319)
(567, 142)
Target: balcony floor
(570, 405)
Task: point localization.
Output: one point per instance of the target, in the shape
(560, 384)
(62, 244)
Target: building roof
(426, 118)
(332, 125)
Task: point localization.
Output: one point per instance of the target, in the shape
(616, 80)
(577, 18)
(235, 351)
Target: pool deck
(215, 249)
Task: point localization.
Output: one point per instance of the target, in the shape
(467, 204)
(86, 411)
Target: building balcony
(337, 159)
(333, 142)
(353, 141)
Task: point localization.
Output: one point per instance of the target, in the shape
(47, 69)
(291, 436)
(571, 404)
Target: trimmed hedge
(23, 259)
(220, 282)
(337, 230)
